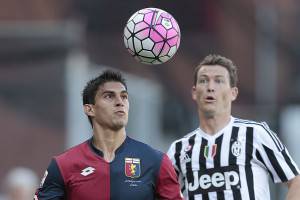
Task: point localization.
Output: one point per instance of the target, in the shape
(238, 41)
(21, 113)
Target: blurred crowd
(20, 183)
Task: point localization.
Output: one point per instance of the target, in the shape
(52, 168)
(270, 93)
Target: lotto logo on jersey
(132, 167)
(211, 180)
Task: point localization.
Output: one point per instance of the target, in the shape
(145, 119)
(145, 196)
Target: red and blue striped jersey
(137, 172)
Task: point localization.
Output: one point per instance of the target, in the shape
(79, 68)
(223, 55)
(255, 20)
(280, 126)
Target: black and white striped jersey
(235, 163)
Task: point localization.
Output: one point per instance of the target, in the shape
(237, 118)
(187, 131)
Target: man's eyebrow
(107, 91)
(220, 76)
(205, 75)
(112, 92)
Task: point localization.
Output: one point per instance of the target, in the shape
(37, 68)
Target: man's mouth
(210, 99)
(120, 112)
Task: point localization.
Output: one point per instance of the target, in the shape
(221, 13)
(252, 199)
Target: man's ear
(234, 93)
(88, 109)
(193, 92)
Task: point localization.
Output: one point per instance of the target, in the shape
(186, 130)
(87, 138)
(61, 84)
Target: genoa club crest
(132, 167)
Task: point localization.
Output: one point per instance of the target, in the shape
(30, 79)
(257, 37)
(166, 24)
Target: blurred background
(49, 49)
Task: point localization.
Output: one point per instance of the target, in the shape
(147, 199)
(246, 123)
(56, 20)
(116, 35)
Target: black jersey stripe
(237, 194)
(178, 147)
(191, 196)
(233, 159)
(275, 164)
(183, 188)
(220, 196)
(259, 157)
(177, 172)
(248, 167)
(189, 171)
(289, 162)
(202, 162)
(202, 159)
(273, 136)
(205, 196)
(217, 161)
(234, 137)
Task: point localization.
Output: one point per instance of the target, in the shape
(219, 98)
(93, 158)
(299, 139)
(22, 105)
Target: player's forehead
(112, 86)
(213, 71)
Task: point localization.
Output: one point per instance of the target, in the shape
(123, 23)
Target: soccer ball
(152, 36)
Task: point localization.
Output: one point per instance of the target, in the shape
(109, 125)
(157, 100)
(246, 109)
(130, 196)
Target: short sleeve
(52, 184)
(167, 184)
(274, 155)
(174, 155)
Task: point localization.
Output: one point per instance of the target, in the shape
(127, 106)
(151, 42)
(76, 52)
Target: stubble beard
(208, 114)
(118, 124)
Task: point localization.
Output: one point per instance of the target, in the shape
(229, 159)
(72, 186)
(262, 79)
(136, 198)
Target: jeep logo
(224, 178)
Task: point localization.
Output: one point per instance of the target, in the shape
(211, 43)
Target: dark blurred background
(38, 37)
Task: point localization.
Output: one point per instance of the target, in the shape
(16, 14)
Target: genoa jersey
(137, 172)
(235, 163)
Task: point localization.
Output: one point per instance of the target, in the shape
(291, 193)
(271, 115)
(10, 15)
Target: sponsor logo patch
(87, 171)
(185, 158)
(132, 167)
(188, 148)
(213, 180)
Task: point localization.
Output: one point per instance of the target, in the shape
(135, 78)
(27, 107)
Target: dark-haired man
(110, 165)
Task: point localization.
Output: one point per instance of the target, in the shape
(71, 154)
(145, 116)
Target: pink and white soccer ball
(152, 36)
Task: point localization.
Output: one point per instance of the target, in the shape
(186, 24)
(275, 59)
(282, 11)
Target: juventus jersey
(235, 163)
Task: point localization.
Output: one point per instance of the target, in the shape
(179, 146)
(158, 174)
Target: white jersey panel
(235, 163)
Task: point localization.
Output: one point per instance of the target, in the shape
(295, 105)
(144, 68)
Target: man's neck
(108, 141)
(212, 125)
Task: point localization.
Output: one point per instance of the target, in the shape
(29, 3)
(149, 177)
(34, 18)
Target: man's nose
(119, 101)
(210, 86)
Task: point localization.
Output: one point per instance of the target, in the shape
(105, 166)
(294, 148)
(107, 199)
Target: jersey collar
(100, 153)
(209, 136)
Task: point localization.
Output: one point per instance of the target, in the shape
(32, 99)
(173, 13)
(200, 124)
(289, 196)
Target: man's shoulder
(259, 128)
(186, 137)
(249, 123)
(74, 151)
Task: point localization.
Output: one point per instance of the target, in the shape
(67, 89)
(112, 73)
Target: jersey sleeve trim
(52, 186)
(282, 164)
(290, 162)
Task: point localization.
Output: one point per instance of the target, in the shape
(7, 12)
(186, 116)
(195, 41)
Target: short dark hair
(214, 59)
(92, 86)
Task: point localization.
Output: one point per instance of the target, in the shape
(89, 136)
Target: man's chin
(209, 113)
(119, 125)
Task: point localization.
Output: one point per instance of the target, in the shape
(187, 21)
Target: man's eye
(108, 96)
(202, 81)
(124, 97)
(219, 81)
